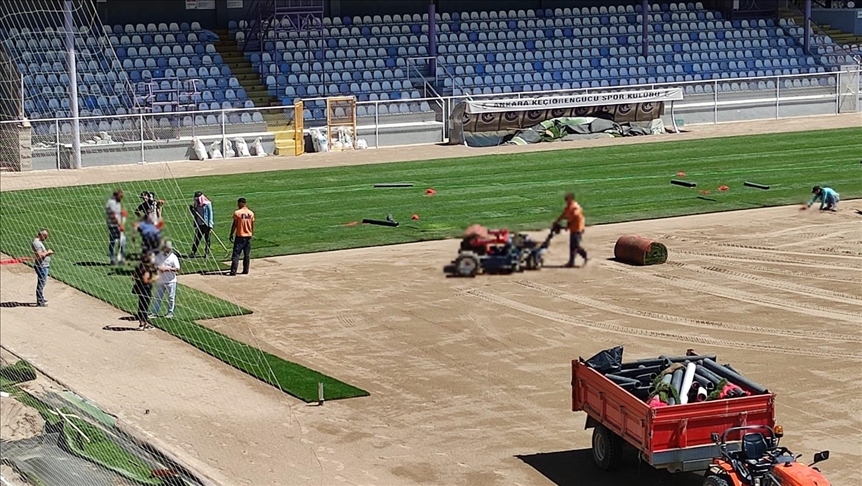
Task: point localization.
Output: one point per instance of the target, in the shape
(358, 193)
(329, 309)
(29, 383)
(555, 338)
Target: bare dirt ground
(469, 379)
(10, 181)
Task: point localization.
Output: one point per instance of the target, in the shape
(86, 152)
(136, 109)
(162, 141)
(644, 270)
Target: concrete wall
(847, 20)
(10, 86)
(114, 12)
(155, 11)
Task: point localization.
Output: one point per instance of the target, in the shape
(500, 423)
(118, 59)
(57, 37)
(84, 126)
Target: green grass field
(305, 211)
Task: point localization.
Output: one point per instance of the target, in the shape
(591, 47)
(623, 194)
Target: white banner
(575, 101)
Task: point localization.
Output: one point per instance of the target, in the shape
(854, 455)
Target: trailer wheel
(467, 265)
(714, 480)
(607, 448)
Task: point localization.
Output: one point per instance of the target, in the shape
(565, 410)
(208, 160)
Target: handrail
(439, 98)
(818, 30)
(412, 64)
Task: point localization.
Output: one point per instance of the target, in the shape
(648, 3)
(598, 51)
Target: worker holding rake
(574, 217)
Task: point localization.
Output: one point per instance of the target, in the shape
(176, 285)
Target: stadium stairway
(242, 69)
(837, 35)
(276, 121)
(283, 130)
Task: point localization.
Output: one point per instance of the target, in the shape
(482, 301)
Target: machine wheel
(714, 480)
(534, 262)
(467, 265)
(607, 448)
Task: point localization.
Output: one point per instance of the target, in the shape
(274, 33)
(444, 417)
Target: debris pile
(674, 380)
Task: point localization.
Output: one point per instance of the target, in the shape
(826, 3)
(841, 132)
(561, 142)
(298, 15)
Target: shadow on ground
(17, 304)
(576, 468)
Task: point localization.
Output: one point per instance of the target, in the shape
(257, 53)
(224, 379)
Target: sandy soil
(469, 379)
(17, 421)
(94, 175)
(12, 477)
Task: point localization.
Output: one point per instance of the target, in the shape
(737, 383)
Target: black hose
(709, 375)
(733, 377)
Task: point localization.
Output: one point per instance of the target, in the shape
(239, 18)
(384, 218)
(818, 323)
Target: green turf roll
(636, 250)
(19, 372)
(657, 254)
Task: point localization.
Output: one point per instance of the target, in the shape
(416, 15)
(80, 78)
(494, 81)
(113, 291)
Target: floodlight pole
(645, 27)
(72, 69)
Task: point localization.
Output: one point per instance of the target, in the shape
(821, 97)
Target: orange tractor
(758, 460)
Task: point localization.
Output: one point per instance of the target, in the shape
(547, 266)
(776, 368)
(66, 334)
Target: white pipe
(686, 383)
(701, 395)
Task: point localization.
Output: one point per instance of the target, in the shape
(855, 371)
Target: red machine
(758, 460)
(486, 245)
(677, 438)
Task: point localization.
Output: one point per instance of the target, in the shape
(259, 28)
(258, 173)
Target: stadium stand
(536, 50)
(162, 68)
(169, 67)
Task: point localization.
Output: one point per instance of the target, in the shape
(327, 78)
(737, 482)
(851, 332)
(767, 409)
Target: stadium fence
(140, 138)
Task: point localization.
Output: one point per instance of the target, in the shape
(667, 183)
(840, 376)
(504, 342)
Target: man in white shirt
(168, 265)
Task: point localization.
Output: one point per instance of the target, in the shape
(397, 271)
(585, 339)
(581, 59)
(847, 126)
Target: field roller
(636, 250)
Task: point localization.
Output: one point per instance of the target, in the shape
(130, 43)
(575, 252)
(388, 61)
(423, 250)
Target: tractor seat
(754, 448)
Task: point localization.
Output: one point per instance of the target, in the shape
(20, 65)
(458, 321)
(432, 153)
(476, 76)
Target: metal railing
(144, 137)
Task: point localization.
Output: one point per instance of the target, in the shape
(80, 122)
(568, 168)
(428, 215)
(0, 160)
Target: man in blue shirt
(827, 197)
(151, 237)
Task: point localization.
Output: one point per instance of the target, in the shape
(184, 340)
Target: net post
(21, 114)
(57, 141)
(73, 81)
(143, 148)
(320, 393)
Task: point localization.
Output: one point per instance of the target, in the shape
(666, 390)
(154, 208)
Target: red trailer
(676, 438)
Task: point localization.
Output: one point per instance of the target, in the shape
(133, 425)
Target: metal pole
(21, 115)
(72, 68)
(223, 146)
(376, 125)
(57, 140)
(645, 27)
(777, 97)
(715, 102)
(141, 124)
(837, 93)
(807, 28)
(432, 38)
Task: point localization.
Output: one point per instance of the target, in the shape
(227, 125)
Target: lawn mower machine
(759, 461)
(498, 251)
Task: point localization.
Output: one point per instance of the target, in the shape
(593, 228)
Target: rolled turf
(636, 250)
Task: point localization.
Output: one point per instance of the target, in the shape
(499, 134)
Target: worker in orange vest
(243, 228)
(574, 217)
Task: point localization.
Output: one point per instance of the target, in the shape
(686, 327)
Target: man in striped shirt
(114, 219)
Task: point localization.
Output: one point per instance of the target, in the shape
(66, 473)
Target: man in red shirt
(243, 228)
(574, 216)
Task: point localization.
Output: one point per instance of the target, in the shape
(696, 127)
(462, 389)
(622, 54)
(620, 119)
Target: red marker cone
(415, 217)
